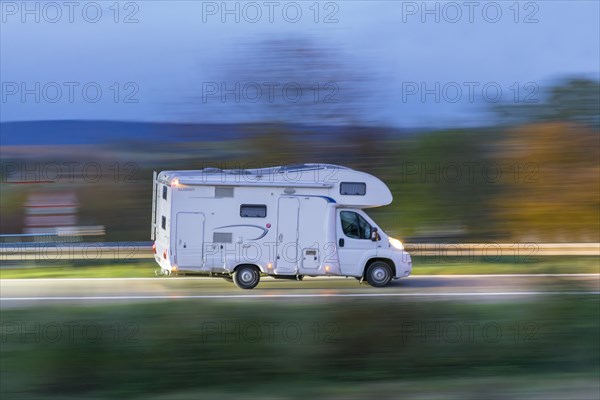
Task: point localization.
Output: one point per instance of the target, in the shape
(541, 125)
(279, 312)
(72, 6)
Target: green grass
(528, 386)
(265, 349)
(421, 266)
(505, 265)
(131, 270)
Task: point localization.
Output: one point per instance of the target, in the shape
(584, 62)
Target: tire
(246, 276)
(379, 274)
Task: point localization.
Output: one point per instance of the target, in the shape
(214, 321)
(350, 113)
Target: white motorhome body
(282, 221)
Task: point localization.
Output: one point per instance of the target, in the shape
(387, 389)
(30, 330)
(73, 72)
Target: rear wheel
(379, 274)
(246, 276)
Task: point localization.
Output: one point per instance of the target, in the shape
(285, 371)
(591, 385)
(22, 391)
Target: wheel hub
(247, 276)
(379, 274)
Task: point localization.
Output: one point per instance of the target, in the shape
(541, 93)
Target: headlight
(395, 243)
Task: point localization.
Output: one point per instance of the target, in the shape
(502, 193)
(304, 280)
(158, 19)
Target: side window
(353, 188)
(253, 210)
(355, 226)
(164, 192)
(163, 222)
(364, 227)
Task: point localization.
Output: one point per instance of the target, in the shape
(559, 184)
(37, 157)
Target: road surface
(24, 292)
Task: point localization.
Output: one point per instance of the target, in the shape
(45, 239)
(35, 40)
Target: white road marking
(503, 275)
(274, 296)
(332, 278)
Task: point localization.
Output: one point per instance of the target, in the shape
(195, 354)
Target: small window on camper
(222, 237)
(253, 210)
(353, 188)
(163, 223)
(223, 191)
(164, 192)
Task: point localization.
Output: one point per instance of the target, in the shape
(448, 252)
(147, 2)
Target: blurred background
(482, 117)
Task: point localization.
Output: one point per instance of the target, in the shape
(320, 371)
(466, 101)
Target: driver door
(354, 240)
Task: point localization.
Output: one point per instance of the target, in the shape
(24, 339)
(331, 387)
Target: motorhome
(285, 222)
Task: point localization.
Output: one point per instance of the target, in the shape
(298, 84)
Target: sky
(428, 64)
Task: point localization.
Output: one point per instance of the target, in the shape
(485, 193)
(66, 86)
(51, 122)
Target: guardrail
(65, 234)
(116, 251)
(123, 251)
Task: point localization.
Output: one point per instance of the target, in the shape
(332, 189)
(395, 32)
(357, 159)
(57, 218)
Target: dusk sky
(161, 61)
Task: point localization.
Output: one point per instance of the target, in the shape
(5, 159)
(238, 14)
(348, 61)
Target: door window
(355, 226)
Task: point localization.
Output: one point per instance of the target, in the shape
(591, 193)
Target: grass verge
(545, 348)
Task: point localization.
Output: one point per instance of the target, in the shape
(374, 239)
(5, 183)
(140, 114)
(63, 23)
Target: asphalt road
(25, 292)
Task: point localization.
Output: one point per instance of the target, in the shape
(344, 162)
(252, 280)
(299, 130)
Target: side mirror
(375, 235)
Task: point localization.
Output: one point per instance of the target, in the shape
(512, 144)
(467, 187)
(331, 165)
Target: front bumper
(403, 263)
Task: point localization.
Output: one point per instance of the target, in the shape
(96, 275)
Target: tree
(554, 192)
(575, 100)
(294, 80)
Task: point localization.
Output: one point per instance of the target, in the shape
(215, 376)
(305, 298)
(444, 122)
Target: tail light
(154, 247)
(165, 254)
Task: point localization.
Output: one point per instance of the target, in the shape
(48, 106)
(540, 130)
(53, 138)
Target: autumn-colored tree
(553, 193)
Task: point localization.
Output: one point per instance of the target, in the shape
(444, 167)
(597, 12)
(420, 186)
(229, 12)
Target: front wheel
(379, 274)
(246, 276)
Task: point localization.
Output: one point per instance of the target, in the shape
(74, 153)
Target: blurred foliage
(554, 193)
(294, 80)
(185, 347)
(575, 100)
(533, 181)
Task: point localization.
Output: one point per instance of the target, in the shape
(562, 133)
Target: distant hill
(81, 132)
(92, 132)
